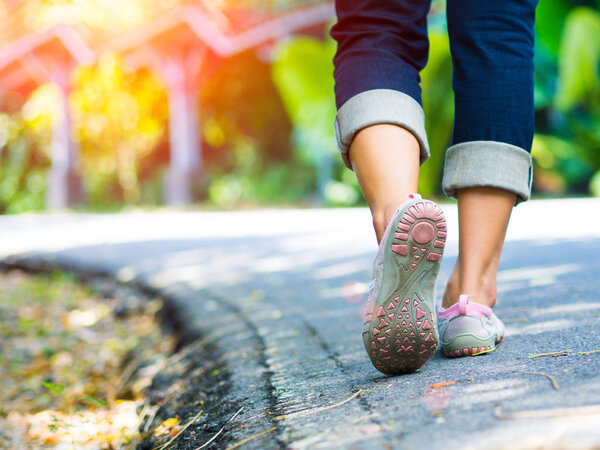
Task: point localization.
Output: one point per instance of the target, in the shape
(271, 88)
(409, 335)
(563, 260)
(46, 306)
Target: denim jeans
(382, 47)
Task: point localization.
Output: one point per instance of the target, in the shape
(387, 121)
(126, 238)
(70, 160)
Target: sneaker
(469, 329)
(399, 331)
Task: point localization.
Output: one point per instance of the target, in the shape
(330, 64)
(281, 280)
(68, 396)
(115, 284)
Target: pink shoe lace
(465, 308)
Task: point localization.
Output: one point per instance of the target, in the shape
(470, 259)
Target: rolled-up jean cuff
(379, 106)
(488, 163)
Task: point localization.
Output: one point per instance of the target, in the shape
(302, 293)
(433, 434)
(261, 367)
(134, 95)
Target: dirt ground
(75, 364)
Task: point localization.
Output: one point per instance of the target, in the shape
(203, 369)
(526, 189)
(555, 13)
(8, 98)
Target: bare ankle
(452, 289)
(482, 290)
(379, 223)
(382, 217)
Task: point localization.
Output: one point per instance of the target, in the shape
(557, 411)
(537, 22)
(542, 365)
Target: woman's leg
(382, 46)
(380, 126)
(385, 159)
(483, 214)
(488, 169)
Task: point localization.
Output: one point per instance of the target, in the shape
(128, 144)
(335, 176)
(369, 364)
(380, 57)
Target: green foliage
(595, 184)
(277, 183)
(561, 164)
(93, 401)
(119, 119)
(303, 74)
(246, 137)
(54, 388)
(22, 186)
(579, 61)
(566, 146)
(247, 181)
(438, 105)
(549, 22)
(240, 107)
(339, 193)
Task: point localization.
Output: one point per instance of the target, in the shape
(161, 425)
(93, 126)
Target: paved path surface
(274, 296)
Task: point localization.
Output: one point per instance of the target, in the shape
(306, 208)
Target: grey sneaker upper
(468, 328)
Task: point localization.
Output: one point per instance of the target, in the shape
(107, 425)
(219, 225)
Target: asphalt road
(273, 297)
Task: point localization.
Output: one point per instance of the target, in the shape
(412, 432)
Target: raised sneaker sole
(401, 334)
(463, 346)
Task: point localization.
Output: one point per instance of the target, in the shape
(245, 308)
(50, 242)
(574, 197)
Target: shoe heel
(420, 233)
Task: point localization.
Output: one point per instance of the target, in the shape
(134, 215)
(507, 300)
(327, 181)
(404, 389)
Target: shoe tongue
(462, 304)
